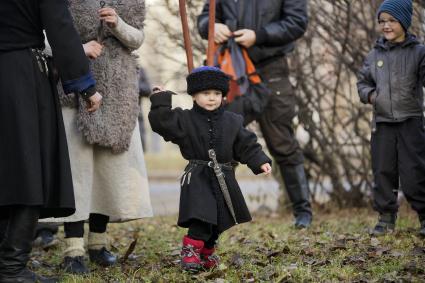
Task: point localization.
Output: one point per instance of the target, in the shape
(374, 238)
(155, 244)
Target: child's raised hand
(157, 89)
(267, 168)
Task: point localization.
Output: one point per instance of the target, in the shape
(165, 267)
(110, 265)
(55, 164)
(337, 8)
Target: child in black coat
(207, 207)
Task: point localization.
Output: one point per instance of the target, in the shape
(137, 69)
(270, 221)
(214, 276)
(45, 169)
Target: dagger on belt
(222, 182)
(100, 27)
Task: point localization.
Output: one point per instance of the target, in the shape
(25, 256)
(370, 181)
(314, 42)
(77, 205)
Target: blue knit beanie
(205, 78)
(401, 10)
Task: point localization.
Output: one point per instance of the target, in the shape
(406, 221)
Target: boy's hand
(372, 98)
(245, 37)
(93, 49)
(267, 169)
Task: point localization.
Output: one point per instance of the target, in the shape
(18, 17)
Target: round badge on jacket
(380, 63)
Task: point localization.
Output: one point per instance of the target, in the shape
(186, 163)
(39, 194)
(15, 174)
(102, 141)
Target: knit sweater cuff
(128, 35)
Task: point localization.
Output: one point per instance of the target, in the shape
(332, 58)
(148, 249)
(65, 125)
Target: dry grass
(337, 248)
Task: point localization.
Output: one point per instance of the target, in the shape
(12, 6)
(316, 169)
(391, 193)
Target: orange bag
(247, 94)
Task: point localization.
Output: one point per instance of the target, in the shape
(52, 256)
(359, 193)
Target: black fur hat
(204, 78)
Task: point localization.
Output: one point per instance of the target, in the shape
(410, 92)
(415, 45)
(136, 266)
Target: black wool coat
(34, 161)
(196, 131)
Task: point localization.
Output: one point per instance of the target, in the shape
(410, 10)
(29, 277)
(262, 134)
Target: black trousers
(3, 227)
(203, 231)
(276, 121)
(398, 153)
(97, 224)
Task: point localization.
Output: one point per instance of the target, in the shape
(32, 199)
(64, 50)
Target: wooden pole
(186, 35)
(211, 22)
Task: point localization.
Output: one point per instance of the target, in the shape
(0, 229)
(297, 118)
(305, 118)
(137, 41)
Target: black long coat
(34, 162)
(196, 131)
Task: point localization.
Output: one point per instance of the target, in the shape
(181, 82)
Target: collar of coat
(384, 44)
(212, 114)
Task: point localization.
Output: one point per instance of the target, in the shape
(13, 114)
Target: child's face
(208, 99)
(391, 28)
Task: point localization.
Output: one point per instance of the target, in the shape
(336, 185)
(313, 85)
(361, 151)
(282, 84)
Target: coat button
(209, 120)
(210, 130)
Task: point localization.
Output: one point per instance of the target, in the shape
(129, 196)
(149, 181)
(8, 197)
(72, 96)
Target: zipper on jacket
(389, 85)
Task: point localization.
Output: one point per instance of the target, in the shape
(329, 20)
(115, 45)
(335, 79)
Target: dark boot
(74, 265)
(190, 254)
(45, 239)
(299, 194)
(386, 224)
(73, 261)
(97, 250)
(102, 257)
(16, 246)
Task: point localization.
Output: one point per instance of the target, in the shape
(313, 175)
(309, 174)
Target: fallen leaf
(396, 254)
(271, 254)
(311, 261)
(417, 251)
(377, 252)
(307, 252)
(237, 261)
(321, 262)
(340, 237)
(272, 235)
(268, 273)
(356, 259)
(339, 245)
(129, 250)
(374, 242)
(241, 240)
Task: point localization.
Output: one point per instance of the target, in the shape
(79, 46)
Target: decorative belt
(187, 174)
(196, 162)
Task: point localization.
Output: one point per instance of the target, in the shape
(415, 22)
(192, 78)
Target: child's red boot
(209, 259)
(190, 254)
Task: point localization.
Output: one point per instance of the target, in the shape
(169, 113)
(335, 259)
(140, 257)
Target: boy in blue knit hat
(391, 80)
(207, 207)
